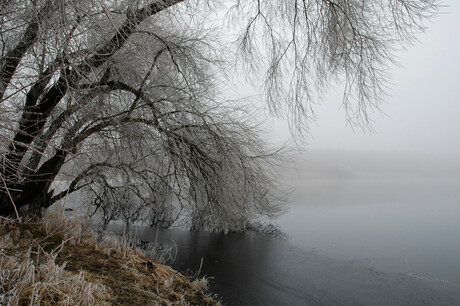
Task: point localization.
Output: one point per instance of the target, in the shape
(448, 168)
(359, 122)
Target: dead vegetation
(60, 261)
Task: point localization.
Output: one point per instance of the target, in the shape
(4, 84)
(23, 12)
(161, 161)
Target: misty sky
(423, 105)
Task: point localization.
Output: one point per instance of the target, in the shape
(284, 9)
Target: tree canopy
(123, 100)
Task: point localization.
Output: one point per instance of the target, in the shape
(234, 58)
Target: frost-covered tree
(126, 96)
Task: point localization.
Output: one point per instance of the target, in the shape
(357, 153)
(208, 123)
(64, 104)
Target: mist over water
(363, 230)
(392, 213)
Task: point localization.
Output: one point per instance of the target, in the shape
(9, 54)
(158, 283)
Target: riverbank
(60, 261)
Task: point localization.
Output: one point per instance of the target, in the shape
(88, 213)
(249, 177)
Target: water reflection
(252, 269)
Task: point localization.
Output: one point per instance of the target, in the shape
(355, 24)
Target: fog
(388, 198)
(421, 116)
(334, 164)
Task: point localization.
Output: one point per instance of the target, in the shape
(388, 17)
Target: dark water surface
(361, 242)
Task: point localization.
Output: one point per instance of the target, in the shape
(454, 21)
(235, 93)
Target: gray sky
(423, 105)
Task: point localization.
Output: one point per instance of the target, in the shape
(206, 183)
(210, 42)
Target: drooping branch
(10, 61)
(133, 19)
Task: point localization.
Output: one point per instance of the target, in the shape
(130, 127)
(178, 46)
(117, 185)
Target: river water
(380, 241)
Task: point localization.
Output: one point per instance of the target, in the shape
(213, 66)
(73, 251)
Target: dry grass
(31, 276)
(58, 261)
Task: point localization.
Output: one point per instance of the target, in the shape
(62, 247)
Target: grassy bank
(60, 261)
